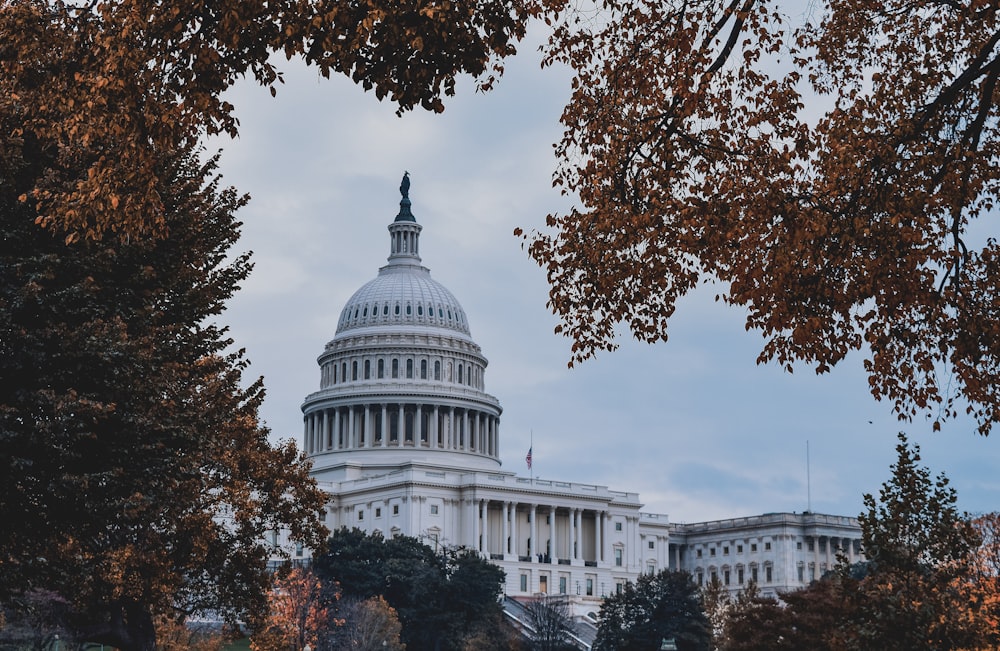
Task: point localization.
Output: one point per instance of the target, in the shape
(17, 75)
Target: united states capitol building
(405, 439)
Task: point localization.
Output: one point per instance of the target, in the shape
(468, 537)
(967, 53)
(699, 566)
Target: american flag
(527, 459)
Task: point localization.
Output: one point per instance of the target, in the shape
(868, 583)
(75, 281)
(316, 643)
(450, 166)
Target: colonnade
(537, 532)
(386, 425)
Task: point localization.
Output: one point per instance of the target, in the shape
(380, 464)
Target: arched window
(437, 370)
(354, 370)
(381, 368)
(459, 373)
(364, 312)
(385, 310)
(423, 369)
(397, 309)
(420, 310)
(409, 309)
(334, 373)
(368, 369)
(343, 372)
(409, 369)
(395, 368)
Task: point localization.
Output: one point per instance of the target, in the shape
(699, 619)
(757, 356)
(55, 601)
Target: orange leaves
(825, 175)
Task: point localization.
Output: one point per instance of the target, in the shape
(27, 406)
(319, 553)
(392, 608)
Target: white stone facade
(405, 440)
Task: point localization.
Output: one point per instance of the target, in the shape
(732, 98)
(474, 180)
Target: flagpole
(531, 450)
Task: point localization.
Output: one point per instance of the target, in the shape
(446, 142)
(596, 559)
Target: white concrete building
(405, 439)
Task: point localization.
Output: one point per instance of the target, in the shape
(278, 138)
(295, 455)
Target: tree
(138, 480)
(716, 603)
(298, 613)
(656, 607)
(755, 622)
(442, 599)
(368, 625)
(827, 175)
(105, 86)
(915, 593)
(551, 624)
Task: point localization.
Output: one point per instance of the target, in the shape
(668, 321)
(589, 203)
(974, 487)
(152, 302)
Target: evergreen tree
(137, 479)
(656, 607)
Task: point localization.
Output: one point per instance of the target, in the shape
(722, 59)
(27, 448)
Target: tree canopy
(106, 85)
(442, 598)
(666, 605)
(830, 171)
(137, 478)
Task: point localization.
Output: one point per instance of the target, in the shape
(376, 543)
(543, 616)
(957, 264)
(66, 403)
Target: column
(435, 427)
(336, 429)
(384, 425)
(534, 532)
(465, 431)
(505, 531)
(305, 433)
(575, 527)
(351, 436)
(369, 428)
(401, 420)
(598, 536)
(484, 541)
(418, 426)
(326, 428)
(555, 539)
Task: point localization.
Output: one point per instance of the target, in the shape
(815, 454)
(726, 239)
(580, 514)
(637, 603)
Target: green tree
(442, 598)
(824, 165)
(656, 607)
(920, 551)
(138, 480)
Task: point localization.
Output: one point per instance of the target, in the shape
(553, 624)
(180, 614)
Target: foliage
(716, 603)
(442, 599)
(655, 607)
(919, 549)
(33, 620)
(107, 85)
(550, 620)
(175, 635)
(298, 613)
(368, 625)
(137, 478)
(828, 175)
(754, 622)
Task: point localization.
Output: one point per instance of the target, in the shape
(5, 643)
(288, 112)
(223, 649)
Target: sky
(693, 425)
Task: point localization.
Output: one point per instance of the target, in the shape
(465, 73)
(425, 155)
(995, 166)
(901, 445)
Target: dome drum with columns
(402, 379)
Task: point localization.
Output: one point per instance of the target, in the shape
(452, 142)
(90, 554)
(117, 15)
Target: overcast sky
(693, 425)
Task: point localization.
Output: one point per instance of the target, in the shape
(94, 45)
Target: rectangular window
(701, 579)
(618, 587)
(753, 574)
(651, 568)
(739, 549)
(543, 584)
(524, 582)
(798, 545)
(767, 546)
(725, 551)
(434, 509)
(395, 509)
(698, 553)
(361, 515)
(378, 512)
(809, 545)
(562, 585)
(725, 577)
(767, 574)
(753, 547)
(711, 552)
(651, 544)
(618, 556)
(739, 575)
(590, 587)
(618, 526)
(802, 573)
(299, 549)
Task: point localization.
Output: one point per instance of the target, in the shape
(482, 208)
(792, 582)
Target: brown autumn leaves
(829, 166)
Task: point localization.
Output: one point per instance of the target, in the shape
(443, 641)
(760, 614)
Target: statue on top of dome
(404, 187)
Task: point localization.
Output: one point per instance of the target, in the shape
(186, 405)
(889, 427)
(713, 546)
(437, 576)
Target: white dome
(403, 294)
